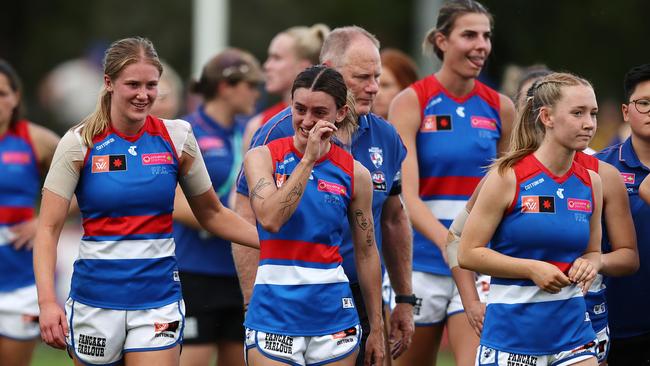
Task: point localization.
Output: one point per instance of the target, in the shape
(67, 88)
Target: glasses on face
(642, 105)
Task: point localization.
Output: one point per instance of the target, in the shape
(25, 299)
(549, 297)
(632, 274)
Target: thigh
(154, 329)
(96, 336)
(424, 347)
(255, 358)
(164, 357)
(462, 339)
(231, 353)
(16, 352)
(199, 354)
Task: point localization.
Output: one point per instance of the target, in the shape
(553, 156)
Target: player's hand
(583, 273)
(548, 277)
(54, 326)
(401, 329)
(375, 347)
(475, 311)
(24, 234)
(319, 137)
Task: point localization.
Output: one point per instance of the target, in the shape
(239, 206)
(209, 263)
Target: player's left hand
(583, 273)
(375, 347)
(24, 234)
(401, 329)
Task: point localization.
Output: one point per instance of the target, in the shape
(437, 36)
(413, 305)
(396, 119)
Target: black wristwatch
(406, 299)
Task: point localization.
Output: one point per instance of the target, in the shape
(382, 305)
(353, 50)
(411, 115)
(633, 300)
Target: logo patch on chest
(329, 187)
(537, 204)
(157, 158)
(434, 123)
(16, 157)
(628, 178)
(575, 204)
(108, 163)
(484, 123)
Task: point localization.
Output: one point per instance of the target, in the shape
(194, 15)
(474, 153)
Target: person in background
(453, 126)
(123, 165)
(290, 52)
(214, 319)
(398, 71)
(170, 94)
(26, 151)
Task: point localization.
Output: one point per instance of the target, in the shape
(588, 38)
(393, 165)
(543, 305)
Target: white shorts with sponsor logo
(318, 350)
(602, 349)
(19, 314)
(102, 336)
(437, 298)
(486, 356)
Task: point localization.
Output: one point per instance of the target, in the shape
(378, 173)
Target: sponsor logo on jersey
(628, 178)
(600, 308)
(379, 181)
(91, 346)
(533, 184)
(560, 193)
(329, 187)
(210, 142)
(575, 204)
(376, 156)
(345, 333)
(16, 157)
(166, 330)
(104, 144)
(278, 343)
(484, 123)
(537, 204)
(132, 150)
(108, 163)
(348, 303)
(521, 360)
(460, 111)
(157, 158)
(433, 123)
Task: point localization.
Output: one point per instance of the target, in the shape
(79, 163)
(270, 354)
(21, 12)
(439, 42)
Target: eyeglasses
(642, 105)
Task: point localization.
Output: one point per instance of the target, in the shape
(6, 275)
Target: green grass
(48, 356)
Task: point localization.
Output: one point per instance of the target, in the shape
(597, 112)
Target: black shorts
(630, 351)
(214, 309)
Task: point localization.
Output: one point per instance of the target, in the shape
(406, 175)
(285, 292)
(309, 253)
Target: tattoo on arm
(258, 187)
(292, 198)
(364, 224)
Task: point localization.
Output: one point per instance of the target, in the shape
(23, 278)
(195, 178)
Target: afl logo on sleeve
(537, 204)
(434, 123)
(108, 163)
(379, 181)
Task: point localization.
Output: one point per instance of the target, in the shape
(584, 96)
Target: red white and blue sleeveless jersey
(595, 297)
(20, 182)
(375, 144)
(126, 196)
(301, 288)
(548, 220)
(456, 141)
(628, 297)
(198, 251)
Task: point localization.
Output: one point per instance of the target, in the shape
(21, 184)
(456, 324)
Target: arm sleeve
(197, 180)
(63, 175)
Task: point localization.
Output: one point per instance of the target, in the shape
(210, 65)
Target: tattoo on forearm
(258, 187)
(364, 224)
(292, 198)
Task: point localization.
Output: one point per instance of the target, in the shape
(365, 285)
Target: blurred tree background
(598, 39)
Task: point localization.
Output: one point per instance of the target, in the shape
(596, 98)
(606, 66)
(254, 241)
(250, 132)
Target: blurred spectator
(170, 94)
(69, 92)
(398, 72)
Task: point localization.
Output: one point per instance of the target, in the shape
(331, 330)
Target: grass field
(47, 356)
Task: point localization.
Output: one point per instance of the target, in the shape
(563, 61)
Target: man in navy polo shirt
(628, 297)
(355, 54)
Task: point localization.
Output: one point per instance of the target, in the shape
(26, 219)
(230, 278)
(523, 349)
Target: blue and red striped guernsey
(126, 196)
(456, 141)
(548, 220)
(301, 288)
(19, 189)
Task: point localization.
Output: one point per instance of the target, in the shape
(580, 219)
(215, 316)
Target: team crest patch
(628, 178)
(484, 123)
(376, 156)
(157, 158)
(108, 163)
(329, 187)
(433, 123)
(537, 204)
(575, 204)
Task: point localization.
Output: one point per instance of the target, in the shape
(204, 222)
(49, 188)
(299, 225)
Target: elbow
(462, 259)
(633, 266)
(270, 225)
